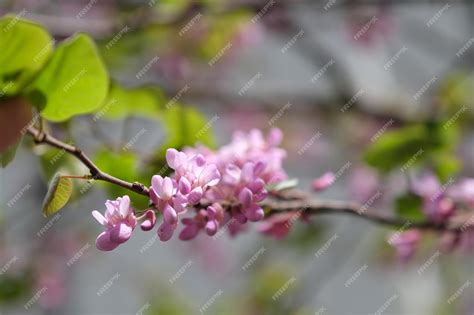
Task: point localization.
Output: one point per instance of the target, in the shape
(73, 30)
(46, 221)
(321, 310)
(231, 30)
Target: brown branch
(293, 200)
(319, 207)
(96, 173)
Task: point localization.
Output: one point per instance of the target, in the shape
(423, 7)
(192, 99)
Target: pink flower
(463, 191)
(405, 243)
(119, 222)
(324, 181)
(437, 204)
(208, 220)
(149, 220)
(235, 175)
(172, 195)
(278, 225)
(363, 183)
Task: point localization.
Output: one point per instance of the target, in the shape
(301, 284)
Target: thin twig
(96, 173)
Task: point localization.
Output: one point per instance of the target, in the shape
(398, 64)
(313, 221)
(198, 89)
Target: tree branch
(97, 174)
(277, 203)
(318, 207)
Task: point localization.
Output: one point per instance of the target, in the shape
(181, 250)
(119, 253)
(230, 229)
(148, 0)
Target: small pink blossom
(405, 243)
(119, 222)
(437, 204)
(278, 225)
(463, 191)
(149, 220)
(324, 181)
(186, 188)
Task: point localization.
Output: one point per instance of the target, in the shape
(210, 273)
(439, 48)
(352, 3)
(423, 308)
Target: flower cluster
(440, 203)
(119, 222)
(173, 195)
(203, 181)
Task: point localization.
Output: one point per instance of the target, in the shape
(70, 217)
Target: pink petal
(187, 221)
(169, 215)
(166, 189)
(103, 242)
(260, 196)
(426, 186)
(171, 155)
(184, 185)
(211, 227)
(274, 137)
(124, 206)
(463, 191)
(150, 220)
(165, 231)
(324, 181)
(195, 195)
(181, 162)
(254, 213)
(189, 232)
(209, 176)
(239, 216)
(245, 197)
(156, 183)
(211, 212)
(99, 217)
(120, 233)
(256, 185)
(179, 203)
(247, 172)
(153, 196)
(200, 160)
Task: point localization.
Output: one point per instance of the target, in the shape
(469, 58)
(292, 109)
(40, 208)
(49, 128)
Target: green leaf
(8, 156)
(446, 166)
(409, 145)
(53, 160)
(409, 206)
(59, 192)
(75, 80)
(124, 166)
(25, 47)
(456, 91)
(122, 102)
(186, 126)
(221, 31)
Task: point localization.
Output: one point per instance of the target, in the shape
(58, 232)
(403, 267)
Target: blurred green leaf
(409, 206)
(267, 283)
(446, 166)
(409, 145)
(304, 235)
(170, 8)
(221, 31)
(13, 287)
(53, 160)
(185, 126)
(75, 80)
(169, 306)
(124, 166)
(122, 102)
(456, 91)
(59, 192)
(8, 156)
(25, 47)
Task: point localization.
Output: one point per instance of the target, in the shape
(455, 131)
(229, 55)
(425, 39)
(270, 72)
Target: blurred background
(330, 74)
